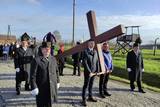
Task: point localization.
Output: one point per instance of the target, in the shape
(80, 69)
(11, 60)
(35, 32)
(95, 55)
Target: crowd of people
(7, 50)
(37, 66)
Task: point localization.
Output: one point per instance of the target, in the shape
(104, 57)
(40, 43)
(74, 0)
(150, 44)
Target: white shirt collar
(91, 49)
(24, 48)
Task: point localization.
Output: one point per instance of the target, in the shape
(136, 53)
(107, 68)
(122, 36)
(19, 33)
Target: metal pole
(155, 44)
(74, 3)
(9, 30)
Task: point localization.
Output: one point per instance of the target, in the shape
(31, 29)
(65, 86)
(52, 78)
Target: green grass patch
(123, 80)
(151, 76)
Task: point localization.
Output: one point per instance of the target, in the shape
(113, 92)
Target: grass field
(151, 76)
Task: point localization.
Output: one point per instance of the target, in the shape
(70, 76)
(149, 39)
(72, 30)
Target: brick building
(7, 39)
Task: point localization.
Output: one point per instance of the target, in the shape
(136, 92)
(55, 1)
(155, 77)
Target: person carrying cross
(91, 67)
(103, 81)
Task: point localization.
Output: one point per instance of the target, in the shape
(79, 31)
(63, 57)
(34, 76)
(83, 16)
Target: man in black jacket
(44, 77)
(135, 67)
(22, 61)
(91, 67)
(77, 57)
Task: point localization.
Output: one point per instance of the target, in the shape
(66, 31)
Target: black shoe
(18, 93)
(132, 90)
(92, 99)
(107, 94)
(102, 95)
(84, 103)
(141, 91)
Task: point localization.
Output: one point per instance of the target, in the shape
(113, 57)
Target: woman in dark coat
(44, 77)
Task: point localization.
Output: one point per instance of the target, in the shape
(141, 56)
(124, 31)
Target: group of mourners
(7, 51)
(40, 70)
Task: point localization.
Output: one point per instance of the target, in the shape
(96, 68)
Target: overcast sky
(37, 17)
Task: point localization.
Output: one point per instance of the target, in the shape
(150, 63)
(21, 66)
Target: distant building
(7, 39)
(150, 46)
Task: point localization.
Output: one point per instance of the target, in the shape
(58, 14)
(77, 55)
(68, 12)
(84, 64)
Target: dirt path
(70, 92)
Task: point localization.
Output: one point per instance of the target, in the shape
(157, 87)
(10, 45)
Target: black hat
(135, 45)
(49, 37)
(78, 43)
(46, 44)
(25, 37)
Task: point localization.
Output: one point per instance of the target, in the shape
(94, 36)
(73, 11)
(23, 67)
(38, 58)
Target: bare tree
(57, 35)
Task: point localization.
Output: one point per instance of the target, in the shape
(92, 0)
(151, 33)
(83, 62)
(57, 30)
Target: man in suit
(44, 77)
(109, 67)
(22, 61)
(135, 67)
(91, 67)
(77, 57)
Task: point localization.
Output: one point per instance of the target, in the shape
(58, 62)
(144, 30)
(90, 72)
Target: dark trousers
(19, 78)
(61, 69)
(132, 78)
(44, 105)
(88, 82)
(76, 66)
(132, 86)
(103, 81)
(43, 102)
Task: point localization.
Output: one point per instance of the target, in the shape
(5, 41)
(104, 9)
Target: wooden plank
(92, 25)
(110, 34)
(101, 58)
(91, 17)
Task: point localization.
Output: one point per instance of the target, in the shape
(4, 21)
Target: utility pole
(155, 45)
(9, 30)
(73, 31)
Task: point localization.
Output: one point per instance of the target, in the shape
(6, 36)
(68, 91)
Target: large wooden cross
(108, 35)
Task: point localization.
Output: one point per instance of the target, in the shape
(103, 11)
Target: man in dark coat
(44, 77)
(77, 57)
(22, 61)
(91, 67)
(135, 67)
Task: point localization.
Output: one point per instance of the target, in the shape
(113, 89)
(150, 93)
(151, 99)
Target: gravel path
(70, 92)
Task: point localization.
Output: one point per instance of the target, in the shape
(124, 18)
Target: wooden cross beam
(108, 35)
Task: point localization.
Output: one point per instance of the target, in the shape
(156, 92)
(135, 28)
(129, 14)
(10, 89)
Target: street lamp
(155, 44)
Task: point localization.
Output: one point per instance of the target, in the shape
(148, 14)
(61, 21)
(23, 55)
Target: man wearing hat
(44, 77)
(22, 60)
(135, 67)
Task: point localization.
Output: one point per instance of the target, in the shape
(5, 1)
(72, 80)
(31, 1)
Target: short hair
(105, 43)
